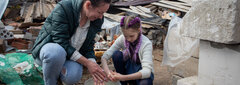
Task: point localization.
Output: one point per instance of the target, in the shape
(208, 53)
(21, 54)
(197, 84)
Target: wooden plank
(29, 15)
(142, 14)
(147, 26)
(121, 13)
(45, 10)
(133, 2)
(186, 1)
(148, 6)
(153, 11)
(136, 9)
(117, 18)
(150, 23)
(180, 3)
(171, 7)
(36, 12)
(144, 9)
(152, 7)
(24, 10)
(50, 8)
(41, 8)
(175, 4)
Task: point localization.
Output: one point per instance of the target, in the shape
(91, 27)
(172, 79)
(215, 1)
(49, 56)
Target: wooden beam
(152, 7)
(29, 15)
(144, 9)
(147, 26)
(171, 7)
(136, 9)
(180, 3)
(148, 6)
(41, 8)
(47, 10)
(36, 12)
(176, 4)
(186, 1)
(142, 14)
(116, 18)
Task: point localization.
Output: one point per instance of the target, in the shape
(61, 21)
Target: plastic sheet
(8, 74)
(178, 48)
(20, 70)
(3, 6)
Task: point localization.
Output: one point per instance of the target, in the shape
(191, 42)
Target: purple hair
(122, 21)
(126, 52)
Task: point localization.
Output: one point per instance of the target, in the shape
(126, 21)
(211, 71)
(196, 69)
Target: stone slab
(218, 64)
(193, 80)
(186, 68)
(213, 20)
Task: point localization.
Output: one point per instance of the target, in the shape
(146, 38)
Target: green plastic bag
(8, 74)
(24, 66)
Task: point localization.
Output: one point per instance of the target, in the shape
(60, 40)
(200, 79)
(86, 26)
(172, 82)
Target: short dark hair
(96, 3)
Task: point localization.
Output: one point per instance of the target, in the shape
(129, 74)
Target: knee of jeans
(117, 55)
(53, 52)
(71, 78)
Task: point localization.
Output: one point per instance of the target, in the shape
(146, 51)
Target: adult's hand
(97, 73)
(95, 70)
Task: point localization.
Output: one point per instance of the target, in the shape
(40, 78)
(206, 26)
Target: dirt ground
(161, 74)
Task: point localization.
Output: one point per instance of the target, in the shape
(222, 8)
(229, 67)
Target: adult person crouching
(65, 43)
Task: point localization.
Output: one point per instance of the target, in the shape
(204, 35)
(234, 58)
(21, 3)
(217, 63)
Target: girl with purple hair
(134, 63)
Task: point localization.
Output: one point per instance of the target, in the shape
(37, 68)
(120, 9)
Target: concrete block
(213, 20)
(186, 68)
(193, 80)
(218, 64)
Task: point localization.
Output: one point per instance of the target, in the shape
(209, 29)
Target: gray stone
(213, 20)
(175, 78)
(218, 64)
(193, 80)
(186, 68)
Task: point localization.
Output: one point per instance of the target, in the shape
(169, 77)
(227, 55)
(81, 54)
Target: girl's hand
(110, 75)
(118, 76)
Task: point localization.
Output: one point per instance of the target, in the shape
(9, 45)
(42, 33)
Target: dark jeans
(129, 67)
